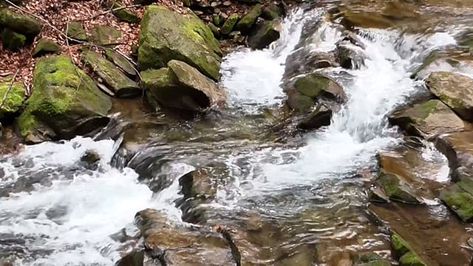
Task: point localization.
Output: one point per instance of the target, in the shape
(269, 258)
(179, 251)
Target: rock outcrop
(167, 35)
(65, 102)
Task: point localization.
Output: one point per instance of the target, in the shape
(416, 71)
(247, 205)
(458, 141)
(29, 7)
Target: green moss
(312, 85)
(248, 20)
(393, 189)
(423, 110)
(153, 78)
(300, 103)
(14, 97)
(20, 23)
(76, 31)
(400, 245)
(229, 24)
(45, 46)
(411, 259)
(459, 200)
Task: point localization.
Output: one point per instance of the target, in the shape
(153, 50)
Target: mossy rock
(12, 96)
(19, 23)
(65, 102)
(46, 46)
(229, 24)
(249, 19)
(105, 35)
(121, 61)
(114, 78)
(123, 13)
(458, 198)
(264, 34)
(166, 35)
(300, 102)
(395, 190)
(76, 31)
(411, 259)
(271, 11)
(370, 259)
(427, 119)
(13, 41)
(316, 85)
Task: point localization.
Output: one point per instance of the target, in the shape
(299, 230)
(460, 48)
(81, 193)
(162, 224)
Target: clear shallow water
(70, 215)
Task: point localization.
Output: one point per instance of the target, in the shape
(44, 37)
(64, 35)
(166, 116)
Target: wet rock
(176, 245)
(365, 20)
(399, 10)
(76, 31)
(249, 19)
(12, 96)
(299, 102)
(183, 87)
(271, 12)
(122, 62)
(455, 90)
(65, 102)
(316, 85)
(134, 258)
(13, 41)
(90, 159)
(349, 55)
(229, 24)
(370, 259)
(123, 13)
(166, 35)
(459, 198)
(121, 85)
(304, 61)
(23, 24)
(105, 35)
(407, 257)
(395, 189)
(427, 119)
(458, 148)
(320, 117)
(264, 34)
(46, 46)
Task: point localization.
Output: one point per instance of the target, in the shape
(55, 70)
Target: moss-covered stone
(65, 102)
(458, 198)
(249, 19)
(121, 85)
(12, 96)
(455, 90)
(19, 23)
(299, 102)
(229, 24)
(316, 85)
(399, 245)
(13, 41)
(264, 34)
(411, 259)
(76, 31)
(166, 35)
(46, 46)
(105, 35)
(427, 119)
(395, 190)
(121, 61)
(370, 259)
(271, 11)
(124, 14)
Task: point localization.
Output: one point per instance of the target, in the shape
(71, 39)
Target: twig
(9, 89)
(111, 10)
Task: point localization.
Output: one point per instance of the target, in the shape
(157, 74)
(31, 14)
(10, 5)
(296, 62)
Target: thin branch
(111, 10)
(9, 89)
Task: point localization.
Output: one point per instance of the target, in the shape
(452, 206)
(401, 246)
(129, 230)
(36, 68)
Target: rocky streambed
(320, 133)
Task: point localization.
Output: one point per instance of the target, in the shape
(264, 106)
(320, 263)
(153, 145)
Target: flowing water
(55, 210)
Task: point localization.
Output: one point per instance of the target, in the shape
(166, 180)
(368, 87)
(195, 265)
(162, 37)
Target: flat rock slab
(459, 198)
(455, 90)
(428, 119)
(116, 80)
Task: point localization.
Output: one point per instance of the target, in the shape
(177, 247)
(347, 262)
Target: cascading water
(57, 212)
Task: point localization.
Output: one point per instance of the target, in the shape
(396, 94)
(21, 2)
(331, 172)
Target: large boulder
(19, 23)
(167, 35)
(12, 96)
(183, 87)
(115, 79)
(427, 119)
(65, 102)
(455, 90)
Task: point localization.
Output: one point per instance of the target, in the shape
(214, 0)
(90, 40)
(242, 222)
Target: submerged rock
(171, 244)
(428, 119)
(406, 255)
(121, 85)
(65, 102)
(455, 90)
(183, 87)
(166, 35)
(12, 96)
(46, 46)
(23, 24)
(264, 34)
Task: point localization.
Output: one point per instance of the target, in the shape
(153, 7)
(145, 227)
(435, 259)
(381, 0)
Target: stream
(307, 188)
